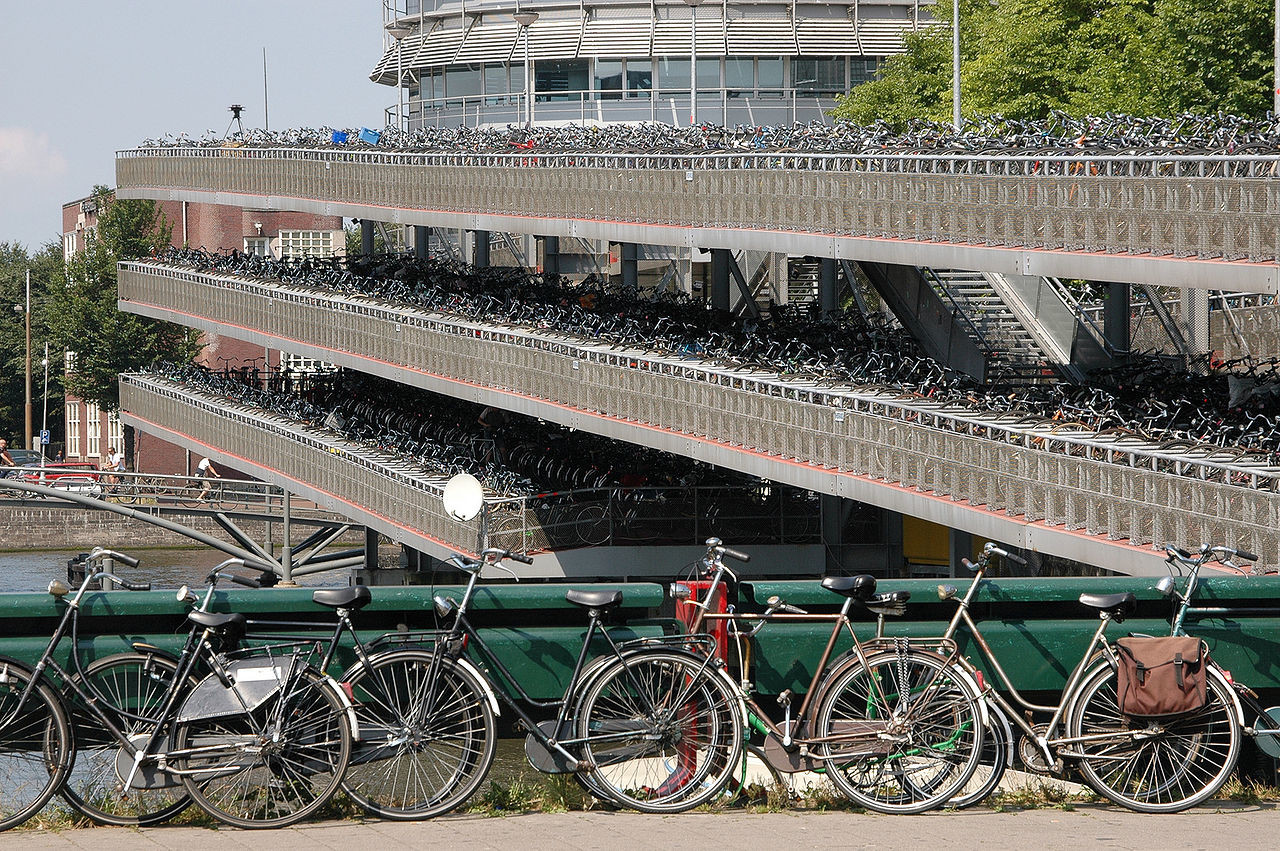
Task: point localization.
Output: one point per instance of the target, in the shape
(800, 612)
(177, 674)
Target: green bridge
(1036, 626)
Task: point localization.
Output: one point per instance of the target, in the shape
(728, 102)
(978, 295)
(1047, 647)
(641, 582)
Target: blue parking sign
(44, 437)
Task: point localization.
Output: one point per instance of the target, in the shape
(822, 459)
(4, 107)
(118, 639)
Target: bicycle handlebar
(100, 553)
(123, 583)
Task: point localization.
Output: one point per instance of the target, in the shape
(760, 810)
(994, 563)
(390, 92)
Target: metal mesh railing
(1113, 485)
(1164, 206)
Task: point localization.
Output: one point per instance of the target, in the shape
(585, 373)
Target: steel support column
(551, 255)
(721, 263)
(828, 286)
(630, 274)
(1115, 318)
(421, 241)
(366, 237)
(481, 238)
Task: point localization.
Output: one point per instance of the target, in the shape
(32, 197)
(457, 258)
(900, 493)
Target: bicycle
(896, 725)
(1155, 765)
(646, 725)
(1265, 729)
(261, 741)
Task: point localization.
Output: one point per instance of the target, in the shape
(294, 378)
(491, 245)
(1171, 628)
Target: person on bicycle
(207, 473)
(6, 460)
(115, 464)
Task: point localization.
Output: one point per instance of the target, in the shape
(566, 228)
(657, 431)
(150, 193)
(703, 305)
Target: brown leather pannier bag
(1161, 676)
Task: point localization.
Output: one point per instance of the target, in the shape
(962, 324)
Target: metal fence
(1147, 206)
(408, 495)
(1042, 472)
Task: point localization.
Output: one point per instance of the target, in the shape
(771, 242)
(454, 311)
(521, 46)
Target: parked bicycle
(1162, 763)
(1260, 722)
(896, 725)
(655, 731)
(261, 741)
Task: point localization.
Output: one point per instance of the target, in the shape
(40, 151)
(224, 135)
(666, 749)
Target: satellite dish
(463, 497)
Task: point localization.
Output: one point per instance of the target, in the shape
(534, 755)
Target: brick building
(89, 431)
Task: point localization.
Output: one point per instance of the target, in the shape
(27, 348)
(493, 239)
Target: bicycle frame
(1098, 647)
(790, 732)
(454, 642)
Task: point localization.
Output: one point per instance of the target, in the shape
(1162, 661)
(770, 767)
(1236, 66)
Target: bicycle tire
(427, 735)
(930, 711)
(1189, 759)
(997, 744)
(661, 732)
(36, 745)
(271, 767)
(136, 686)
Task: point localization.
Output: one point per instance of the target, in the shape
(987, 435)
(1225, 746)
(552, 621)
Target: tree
(45, 266)
(1025, 58)
(83, 317)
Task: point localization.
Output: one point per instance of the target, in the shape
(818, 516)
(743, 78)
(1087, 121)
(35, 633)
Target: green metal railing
(1036, 626)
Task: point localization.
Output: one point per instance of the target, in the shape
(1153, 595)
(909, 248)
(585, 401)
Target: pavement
(1223, 826)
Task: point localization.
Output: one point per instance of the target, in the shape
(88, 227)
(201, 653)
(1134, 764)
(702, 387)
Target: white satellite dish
(463, 497)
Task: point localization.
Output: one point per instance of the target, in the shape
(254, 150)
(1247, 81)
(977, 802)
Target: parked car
(82, 477)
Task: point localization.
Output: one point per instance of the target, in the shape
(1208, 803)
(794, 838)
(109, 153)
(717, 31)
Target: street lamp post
(693, 60)
(525, 20)
(398, 32)
(955, 63)
(27, 441)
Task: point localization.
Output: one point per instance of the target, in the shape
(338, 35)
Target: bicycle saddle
(1117, 605)
(230, 622)
(355, 597)
(860, 587)
(594, 599)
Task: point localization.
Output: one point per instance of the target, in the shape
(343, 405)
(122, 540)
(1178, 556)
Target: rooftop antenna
(236, 109)
(266, 114)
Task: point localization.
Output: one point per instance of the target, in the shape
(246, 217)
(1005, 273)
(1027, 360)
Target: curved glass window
(560, 79)
(608, 79)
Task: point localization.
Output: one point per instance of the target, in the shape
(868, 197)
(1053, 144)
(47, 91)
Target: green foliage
(1025, 58)
(83, 316)
(46, 267)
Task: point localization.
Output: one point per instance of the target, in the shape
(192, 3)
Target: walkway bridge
(1193, 221)
(1100, 498)
(173, 502)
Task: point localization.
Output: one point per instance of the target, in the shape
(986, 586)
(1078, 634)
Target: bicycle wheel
(902, 733)
(661, 732)
(997, 740)
(35, 746)
(273, 766)
(1154, 765)
(133, 688)
(427, 735)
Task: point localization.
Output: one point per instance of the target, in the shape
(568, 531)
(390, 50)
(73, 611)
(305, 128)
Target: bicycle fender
(341, 691)
(470, 668)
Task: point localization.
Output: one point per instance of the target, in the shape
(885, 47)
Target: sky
(81, 79)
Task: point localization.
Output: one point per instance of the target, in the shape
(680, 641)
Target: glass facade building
(463, 62)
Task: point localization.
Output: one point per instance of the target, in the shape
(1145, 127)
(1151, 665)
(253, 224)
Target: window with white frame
(257, 245)
(73, 429)
(115, 430)
(299, 364)
(68, 245)
(92, 430)
(306, 243)
(69, 362)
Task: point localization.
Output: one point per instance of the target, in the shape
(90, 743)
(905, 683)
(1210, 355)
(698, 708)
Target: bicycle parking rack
(1024, 482)
(1175, 220)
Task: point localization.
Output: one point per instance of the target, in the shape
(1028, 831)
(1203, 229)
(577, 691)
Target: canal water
(164, 569)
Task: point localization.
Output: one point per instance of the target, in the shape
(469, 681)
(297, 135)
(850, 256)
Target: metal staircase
(1014, 354)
